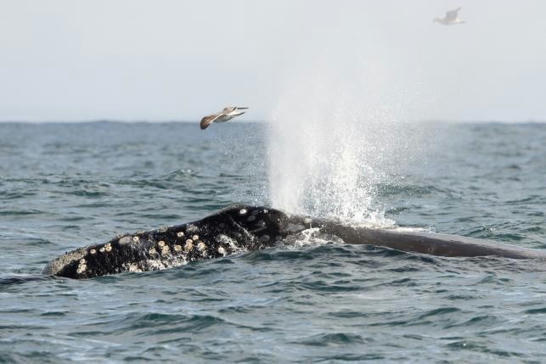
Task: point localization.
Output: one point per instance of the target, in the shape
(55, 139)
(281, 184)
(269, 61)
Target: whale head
(255, 221)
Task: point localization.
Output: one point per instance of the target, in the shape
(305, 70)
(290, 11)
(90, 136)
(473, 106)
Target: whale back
(242, 228)
(236, 228)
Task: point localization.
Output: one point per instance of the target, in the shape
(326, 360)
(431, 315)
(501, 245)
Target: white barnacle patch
(222, 251)
(307, 220)
(188, 246)
(180, 234)
(242, 211)
(101, 250)
(195, 237)
(163, 229)
(161, 243)
(82, 266)
(133, 268)
(125, 240)
(93, 251)
(177, 248)
(165, 250)
(191, 228)
(108, 247)
(202, 247)
(251, 218)
(221, 238)
(136, 239)
(152, 251)
(158, 264)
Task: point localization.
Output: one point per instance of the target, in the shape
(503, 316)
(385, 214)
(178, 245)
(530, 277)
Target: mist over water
(338, 131)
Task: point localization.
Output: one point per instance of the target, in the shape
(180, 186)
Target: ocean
(66, 185)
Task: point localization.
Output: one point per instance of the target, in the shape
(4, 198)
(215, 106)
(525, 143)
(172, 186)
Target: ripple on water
(314, 301)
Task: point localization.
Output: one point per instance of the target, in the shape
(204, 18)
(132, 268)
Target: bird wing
(452, 14)
(209, 119)
(236, 111)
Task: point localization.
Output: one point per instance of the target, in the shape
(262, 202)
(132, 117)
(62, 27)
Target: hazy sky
(177, 60)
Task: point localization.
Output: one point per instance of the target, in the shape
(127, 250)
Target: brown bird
(227, 114)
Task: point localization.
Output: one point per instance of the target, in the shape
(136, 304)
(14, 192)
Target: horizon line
(167, 121)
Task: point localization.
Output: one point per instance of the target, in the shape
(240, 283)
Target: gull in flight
(451, 18)
(227, 114)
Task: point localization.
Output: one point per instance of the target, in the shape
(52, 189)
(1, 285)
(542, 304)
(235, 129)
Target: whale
(240, 228)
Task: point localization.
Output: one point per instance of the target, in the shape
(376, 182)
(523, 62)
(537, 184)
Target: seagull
(227, 114)
(451, 18)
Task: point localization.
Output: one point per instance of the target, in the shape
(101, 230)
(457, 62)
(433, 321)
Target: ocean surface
(66, 185)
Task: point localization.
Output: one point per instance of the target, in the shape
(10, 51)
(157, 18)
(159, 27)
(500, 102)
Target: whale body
(243, 228)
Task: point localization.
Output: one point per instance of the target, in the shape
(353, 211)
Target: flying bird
(227, 114)
(451, 18)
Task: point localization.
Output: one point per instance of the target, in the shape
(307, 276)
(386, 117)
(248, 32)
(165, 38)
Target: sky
(154, 60)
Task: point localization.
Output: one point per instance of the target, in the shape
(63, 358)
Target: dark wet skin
(230, 230)
(243, 228)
